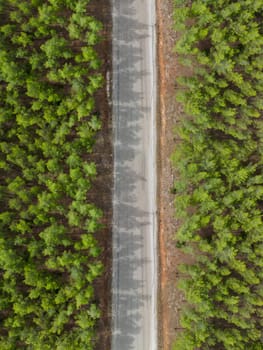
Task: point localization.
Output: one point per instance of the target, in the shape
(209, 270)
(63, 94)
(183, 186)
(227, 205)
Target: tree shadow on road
(131, 221)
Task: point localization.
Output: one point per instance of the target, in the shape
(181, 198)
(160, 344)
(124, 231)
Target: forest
(49, 257)
(219, 166)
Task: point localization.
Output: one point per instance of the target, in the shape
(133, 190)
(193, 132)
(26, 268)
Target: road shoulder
(102, 194)
(169, 112)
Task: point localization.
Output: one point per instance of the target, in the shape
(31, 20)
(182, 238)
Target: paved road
(134, 323)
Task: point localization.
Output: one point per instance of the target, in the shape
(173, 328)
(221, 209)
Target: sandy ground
(170, 112)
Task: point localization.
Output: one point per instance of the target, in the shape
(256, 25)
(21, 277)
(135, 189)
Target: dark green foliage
(49, 257)
(219, 193)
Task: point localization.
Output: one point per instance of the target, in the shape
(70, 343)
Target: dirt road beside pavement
(169, 113)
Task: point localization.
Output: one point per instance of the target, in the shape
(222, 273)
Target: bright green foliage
(49, 257)
(219, 190)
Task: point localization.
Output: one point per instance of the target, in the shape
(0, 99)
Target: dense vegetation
(219, 191)
(49, 258)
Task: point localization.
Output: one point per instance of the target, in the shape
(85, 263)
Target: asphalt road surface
(134, 286)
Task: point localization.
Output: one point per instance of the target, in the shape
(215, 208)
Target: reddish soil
(170, 112)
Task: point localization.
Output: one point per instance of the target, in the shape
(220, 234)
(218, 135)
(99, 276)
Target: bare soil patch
(169, 114)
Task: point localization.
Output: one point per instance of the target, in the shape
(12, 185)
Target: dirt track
(170, 298)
